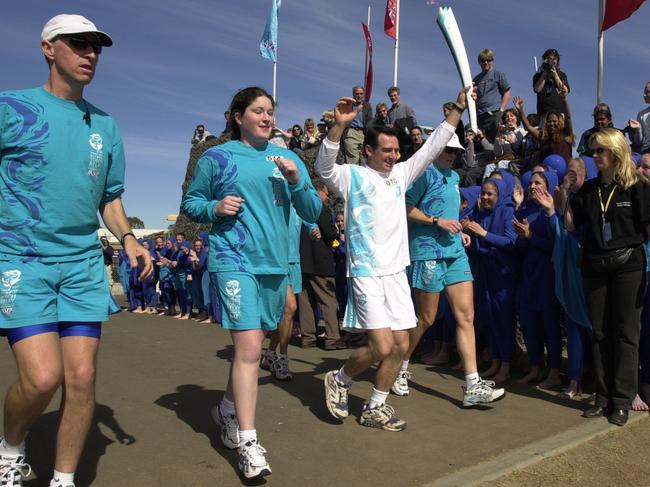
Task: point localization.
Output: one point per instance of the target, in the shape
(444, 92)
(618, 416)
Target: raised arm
(568, 123)
(325, 165)
(519, 105)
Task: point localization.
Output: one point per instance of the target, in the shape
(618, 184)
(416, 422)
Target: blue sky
(177, 63)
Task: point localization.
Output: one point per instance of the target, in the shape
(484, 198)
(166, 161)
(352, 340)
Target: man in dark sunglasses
(54, 292)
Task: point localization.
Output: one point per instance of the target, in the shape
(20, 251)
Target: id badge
(607, 232)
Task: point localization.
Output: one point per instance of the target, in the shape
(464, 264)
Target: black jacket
(316, 256)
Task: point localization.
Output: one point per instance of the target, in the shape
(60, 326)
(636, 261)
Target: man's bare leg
(77, 401)
(391, 364)
(40, 373)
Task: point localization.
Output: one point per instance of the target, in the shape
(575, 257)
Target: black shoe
(336, 345)
(594, 412)
(618, 417)
(306, 344)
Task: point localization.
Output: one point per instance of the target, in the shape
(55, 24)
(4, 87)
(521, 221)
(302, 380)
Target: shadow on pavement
(41, 441)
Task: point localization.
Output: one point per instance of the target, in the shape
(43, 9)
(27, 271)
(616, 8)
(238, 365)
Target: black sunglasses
(79, 43)
(451, 150)
(598, 150)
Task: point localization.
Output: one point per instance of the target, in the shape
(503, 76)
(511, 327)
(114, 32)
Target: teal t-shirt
(56, 170)
(435, 193)
(256, 240)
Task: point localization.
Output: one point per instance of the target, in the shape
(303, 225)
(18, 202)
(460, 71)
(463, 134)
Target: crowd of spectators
(521, 151)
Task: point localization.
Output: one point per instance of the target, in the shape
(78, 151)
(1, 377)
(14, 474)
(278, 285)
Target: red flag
(618, 10)
(390, 19)
(366, 33)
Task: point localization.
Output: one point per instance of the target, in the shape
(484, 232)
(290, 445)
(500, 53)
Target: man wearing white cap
(439, 262)
(61, 161)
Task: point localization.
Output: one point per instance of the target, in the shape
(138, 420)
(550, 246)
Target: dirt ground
(616, 458)
(159, 377)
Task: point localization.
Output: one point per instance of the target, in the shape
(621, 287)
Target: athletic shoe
(269, 359)
(401, 384)
(58, 483)
(13, 469)
(336, 396)
(383, 417)
(282, 371)
(482, 392)
(229, 427)
(252, 461)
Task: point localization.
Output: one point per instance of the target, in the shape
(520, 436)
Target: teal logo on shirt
(96, 158)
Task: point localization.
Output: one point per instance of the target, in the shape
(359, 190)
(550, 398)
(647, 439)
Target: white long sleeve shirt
(375, 211)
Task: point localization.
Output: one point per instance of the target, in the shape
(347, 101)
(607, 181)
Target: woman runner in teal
(245, 188)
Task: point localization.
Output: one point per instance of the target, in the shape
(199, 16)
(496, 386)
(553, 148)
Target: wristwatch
(435, 220)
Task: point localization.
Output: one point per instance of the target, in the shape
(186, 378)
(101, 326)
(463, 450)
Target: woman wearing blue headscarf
(181, 269)
(164, 262)
(539, 310)
(568, 280)
(123, 269)
(493, 245)
(149, 295)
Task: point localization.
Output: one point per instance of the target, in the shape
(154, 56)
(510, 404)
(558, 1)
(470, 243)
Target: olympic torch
(447, 23)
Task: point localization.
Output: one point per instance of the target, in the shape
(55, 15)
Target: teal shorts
(249, 301)
(433, 276)
(295, 277)
(32, 293)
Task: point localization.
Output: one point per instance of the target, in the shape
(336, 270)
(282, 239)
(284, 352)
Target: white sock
(471, 379)
(377, 399)
(61, 478)
(247, 435)
(227, 406)
(343, 378)
(405, 365)
(11, 449)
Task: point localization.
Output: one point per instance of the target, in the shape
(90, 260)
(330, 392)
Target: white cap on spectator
(72, 24)
(455, 143)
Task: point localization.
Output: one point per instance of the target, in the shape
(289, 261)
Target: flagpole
(396, 45)
(365, 64)
(275, 79)
(601, 42)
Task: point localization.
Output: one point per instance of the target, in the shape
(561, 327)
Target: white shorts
(379, 302)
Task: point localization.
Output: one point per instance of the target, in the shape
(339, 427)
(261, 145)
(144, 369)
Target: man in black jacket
(318, 284)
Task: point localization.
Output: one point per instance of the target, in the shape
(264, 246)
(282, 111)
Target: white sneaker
(13, 469)
(336, 396)
(383, 417)
(483, 392)
(401, 384)
(282, 371)
(229, 427)
(58, 483)
(269, 360)
(252, 461)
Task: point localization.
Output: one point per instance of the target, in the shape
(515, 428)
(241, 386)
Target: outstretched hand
(518, 103)
(522, 228)
(543, 198)
(346, 110)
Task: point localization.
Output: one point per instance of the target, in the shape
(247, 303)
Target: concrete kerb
(530, 454)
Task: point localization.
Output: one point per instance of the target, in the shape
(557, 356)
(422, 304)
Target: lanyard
(605, 207)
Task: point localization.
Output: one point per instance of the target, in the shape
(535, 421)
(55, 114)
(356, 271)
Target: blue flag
(269, 41)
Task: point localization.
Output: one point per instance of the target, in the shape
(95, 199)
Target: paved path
(158, 378)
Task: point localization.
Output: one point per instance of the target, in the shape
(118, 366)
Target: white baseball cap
(72, 24)
(455, 143)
